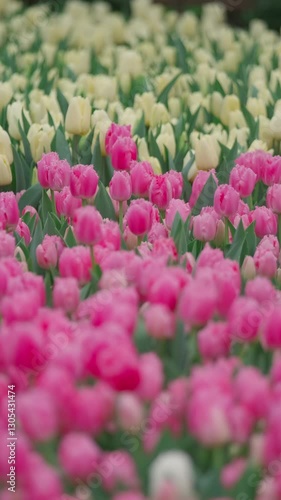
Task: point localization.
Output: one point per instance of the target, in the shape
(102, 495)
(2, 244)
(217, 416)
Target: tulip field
(140, 264)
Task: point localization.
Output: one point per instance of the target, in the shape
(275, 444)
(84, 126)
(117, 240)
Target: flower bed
(140, 214)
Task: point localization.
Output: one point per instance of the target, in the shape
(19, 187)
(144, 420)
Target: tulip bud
(230, 103)
(145, 102)
(139, 217)
(9, 210)
(160, 191)
(78, 116)
(120, 186)
(83, 181)
(172, 471)
(167, 141)
(6, 94)
(100, 122)
(87, 225)
(5, 171)
(159, 115)
(275, 126)
(40, 138)
(248, 269)
(66, 294)
(48, 253)
(14, 117)
(155, 163)
(207, 153)
(6, 146)
(226, 200)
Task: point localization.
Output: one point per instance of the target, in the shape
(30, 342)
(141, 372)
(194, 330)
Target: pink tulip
(49, 251)
(266, 222)
(66, 294)
(176, 181)
(159, 321)
(151, 376)
(141, 177)
(23, 231)
(76, 263)
(87, 225)
(160, 191)
(115, 132)
(214, 340)
(78, 455)
(83, 181)
(232, 472)
(120, 186)
(244, 319)
(7, 244)
(47, 163)
(204, 226)
(123, 153)
(37, 414)
(66, 204)
(271, 330)
(9, 210)
(139, 217)
(243, 180)
(199, 183)
(273, 198)
(226, 200)
(176, 206)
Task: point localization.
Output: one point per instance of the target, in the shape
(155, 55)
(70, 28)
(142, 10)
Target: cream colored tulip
(100, 122)
(5, 171)
(6, 94)
(78, 116)
(159, 114)
(207, 153)
(145, 102)
(230, 103)
(275, 126)
(256, 106)
(154, 162)
(166, 139)
(142, 148)
(40, 138)
(14, 117)
(5, 145)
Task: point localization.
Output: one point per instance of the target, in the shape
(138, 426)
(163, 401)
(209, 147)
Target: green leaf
(46, 206)
(70, 240)
(62, 146)
(251, 239)
(19, 171)
(49, 226)
(206, 197)
(236, 247)
(32, 197)
(36, 240)
(85, 148)
(182, 55)
(26, 145)
(63, 103)
(192, 120)
(140, 128)
(179, 233)
(155, 151)
(163, 96)
(104, 204)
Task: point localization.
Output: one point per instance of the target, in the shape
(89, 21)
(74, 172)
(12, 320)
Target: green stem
(279, 228)
(53, 200)
(121, 217)
(226, 242)
(75, 149)
(139, 240)
(92, 257)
